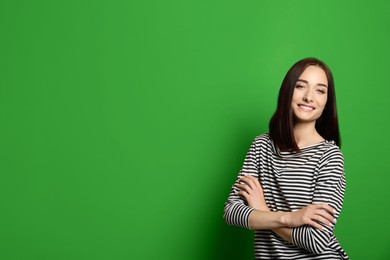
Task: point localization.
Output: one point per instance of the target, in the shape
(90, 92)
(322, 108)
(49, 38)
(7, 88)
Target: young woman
(290, 189)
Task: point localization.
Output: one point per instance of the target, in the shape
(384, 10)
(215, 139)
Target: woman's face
(310, 95)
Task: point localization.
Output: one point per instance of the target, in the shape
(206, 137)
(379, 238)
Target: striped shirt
(290, 182)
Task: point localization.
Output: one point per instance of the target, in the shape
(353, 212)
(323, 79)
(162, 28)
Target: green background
(123, 124)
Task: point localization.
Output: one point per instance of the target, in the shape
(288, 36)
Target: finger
(326, 207)
(248, 181)
(256, 181)
(322, 220)
(243, 194)
(315, 225)
(327, 216)
(244, 187)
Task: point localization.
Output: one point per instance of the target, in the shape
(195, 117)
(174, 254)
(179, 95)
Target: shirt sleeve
(236, 210)
(330, 188)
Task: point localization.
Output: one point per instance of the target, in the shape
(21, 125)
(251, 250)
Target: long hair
(281, 124)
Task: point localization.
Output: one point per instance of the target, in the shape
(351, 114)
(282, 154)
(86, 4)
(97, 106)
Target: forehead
(314, 75)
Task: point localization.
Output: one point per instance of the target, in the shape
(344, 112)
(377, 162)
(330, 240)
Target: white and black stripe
(290, 182)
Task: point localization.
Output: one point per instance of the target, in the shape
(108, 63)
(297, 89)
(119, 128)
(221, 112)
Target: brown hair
(282, 122)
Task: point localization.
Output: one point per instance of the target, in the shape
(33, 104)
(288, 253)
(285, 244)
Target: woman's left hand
(252, 192)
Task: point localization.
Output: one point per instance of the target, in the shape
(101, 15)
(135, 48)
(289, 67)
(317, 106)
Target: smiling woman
(284, 126)
(291, 187)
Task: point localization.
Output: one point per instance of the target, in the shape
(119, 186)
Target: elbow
(313, 240)
(318, 248)
(227, 214)
(237, 214)
(321, 242)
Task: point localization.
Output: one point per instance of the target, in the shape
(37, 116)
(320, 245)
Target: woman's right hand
(252, 191)
(311, 215)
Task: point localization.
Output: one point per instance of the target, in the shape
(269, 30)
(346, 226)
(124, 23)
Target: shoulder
(331, 154)
(332, 150)
(262, 144)
(264, 136)
(262, 140)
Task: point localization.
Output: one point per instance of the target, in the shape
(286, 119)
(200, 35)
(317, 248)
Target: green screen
(125, 123)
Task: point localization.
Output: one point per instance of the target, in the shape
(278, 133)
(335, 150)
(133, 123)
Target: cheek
(296, 96)
(322, 101)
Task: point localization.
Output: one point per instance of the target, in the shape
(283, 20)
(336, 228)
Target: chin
(299, 119)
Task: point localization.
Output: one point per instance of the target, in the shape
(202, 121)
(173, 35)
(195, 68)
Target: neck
(305, 134)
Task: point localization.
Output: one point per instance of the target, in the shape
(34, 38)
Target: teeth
(306, 108)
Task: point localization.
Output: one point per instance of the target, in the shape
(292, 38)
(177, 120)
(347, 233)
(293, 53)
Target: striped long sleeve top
(290, 182)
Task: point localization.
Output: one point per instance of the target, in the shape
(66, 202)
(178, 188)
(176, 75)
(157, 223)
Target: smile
(306, 108)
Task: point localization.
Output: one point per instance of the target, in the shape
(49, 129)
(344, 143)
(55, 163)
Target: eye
(299, 86)
(321, 91)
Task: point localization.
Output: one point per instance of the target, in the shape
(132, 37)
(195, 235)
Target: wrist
(264, 208)
(285, 219)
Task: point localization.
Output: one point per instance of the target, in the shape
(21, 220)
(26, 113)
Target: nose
(307, 97)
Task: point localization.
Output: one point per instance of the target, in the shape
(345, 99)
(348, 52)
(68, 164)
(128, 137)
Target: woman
(291, 187)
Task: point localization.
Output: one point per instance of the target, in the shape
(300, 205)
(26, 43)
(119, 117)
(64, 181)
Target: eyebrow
(318, 84)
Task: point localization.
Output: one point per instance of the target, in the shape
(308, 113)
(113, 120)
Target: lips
(306, 107)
